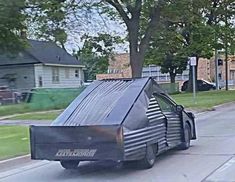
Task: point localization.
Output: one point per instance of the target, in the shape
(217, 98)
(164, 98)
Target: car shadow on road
(108, 170)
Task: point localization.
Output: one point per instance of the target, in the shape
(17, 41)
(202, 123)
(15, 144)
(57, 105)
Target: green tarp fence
(42, 99)
(59, 98)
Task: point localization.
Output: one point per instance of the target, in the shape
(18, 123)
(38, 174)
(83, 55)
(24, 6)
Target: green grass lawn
(14, 141)
(38, 116)
(205, 100)
(14, 109)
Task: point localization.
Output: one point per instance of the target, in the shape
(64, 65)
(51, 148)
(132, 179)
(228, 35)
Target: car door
(158, 119)
(200, 85)
(174, 124)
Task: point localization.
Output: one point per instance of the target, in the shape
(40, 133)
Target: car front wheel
(187, 136)
(69, 164)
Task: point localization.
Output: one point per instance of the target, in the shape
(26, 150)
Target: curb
(22, 168)
(13, 163)
(224, 105)
(37, 112)
(214, 108)
(15, 158)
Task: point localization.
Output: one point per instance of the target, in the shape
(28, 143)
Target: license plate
(76, 152)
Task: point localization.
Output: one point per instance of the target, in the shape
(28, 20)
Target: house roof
(40, 52)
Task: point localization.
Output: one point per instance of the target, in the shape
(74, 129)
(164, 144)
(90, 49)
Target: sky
(93, 25)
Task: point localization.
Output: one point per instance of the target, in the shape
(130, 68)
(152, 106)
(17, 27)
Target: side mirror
(191, 115)
(179, 108)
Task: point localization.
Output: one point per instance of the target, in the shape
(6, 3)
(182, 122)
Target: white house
(42, 65)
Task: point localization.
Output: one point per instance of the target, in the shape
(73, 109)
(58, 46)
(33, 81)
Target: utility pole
(226, 66)
(226, 48)
(216, 70)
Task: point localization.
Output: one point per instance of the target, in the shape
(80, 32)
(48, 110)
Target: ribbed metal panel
(173, 129)
(154, 112)
(135, 141)
(97, 105)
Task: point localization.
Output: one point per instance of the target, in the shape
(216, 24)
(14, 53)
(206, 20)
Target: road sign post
(193, 63)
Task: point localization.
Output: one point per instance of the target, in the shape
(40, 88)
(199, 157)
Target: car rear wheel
(187, 133)
(69, 164)
(150, 157)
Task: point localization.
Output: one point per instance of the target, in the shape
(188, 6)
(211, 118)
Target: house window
(76, 73)
(55, 75)
(40, 81)
(67, 73)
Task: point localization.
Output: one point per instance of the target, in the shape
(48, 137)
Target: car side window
(165, 105)
(200, 83)
(204, 83)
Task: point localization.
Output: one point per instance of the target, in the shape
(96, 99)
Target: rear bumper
(75, 143)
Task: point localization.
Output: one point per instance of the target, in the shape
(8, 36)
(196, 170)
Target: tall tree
(221, 15)
(183, 33)
(96, 52)
(53, 15)
(141, 19)
(47, 19)
(134, 14)
(167, 50)
(11, 25)
(193, 32)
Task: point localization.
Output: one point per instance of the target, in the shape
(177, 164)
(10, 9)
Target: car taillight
(119, 136)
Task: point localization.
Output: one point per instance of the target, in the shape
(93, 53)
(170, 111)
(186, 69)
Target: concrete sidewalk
(25, 122)
(19, 164)
(12, 163)
(37, 112)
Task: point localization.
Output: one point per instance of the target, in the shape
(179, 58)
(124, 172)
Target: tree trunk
(138, 42)
(172, 76)
(136, 62)
(190, 81)
(136, 55)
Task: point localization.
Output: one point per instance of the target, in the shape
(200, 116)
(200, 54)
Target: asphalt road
(211, 158)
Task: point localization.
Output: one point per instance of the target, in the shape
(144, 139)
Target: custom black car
(118, 120)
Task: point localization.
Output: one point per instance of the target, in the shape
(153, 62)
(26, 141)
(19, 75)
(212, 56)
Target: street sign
(193, 61)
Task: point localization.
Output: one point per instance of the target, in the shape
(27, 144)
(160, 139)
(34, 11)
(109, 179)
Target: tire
(150, 157)
(187, 133)
(69, 164)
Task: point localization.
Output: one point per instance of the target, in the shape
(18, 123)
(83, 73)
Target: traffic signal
(220, 62)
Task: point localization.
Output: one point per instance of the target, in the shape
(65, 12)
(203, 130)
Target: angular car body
(202, 85)
(119, 120)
